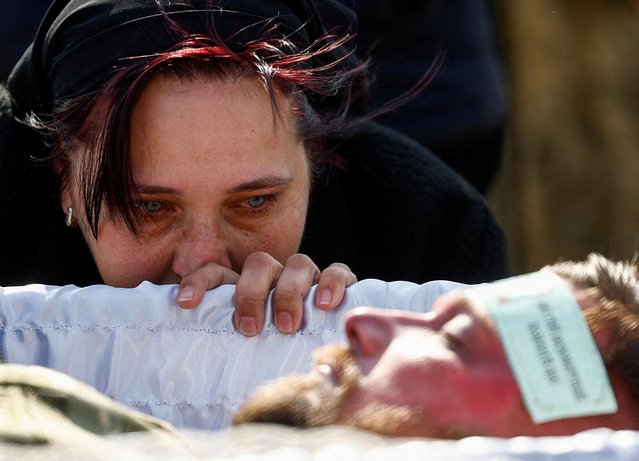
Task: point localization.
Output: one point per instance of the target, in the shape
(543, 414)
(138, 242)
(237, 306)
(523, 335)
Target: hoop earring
(69, 220)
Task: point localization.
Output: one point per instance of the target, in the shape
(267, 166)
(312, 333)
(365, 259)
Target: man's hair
(614, 288)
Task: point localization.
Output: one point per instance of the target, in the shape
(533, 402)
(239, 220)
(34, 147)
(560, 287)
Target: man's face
(440, 374)
(443, 374)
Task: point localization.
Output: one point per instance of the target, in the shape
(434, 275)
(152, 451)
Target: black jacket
(392, 211)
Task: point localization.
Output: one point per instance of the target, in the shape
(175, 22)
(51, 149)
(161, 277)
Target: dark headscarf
(81, 42)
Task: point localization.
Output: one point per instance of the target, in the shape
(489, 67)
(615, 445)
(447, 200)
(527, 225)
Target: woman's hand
(261, 273)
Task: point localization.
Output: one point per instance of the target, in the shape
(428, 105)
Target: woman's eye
(151, 206)
(257, 202)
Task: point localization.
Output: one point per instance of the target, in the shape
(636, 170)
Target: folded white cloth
(188, 367)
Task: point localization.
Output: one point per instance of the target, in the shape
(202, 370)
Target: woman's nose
(199, 246)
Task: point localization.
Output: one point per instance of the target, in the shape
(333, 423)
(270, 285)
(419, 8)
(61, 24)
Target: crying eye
(151, 206)
(256, 202)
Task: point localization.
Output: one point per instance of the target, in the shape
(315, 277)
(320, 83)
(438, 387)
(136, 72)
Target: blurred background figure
(567, 184)
(18, 23)
(461, 116)
(570, 176)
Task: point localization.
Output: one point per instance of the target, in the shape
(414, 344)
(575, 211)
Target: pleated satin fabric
(188, 367)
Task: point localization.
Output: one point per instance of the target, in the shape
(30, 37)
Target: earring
(69, 220)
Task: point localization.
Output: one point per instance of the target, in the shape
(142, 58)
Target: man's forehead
(536, 285)
(549, 346)
(524, 290)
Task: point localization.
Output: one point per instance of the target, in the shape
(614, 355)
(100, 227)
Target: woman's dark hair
(327, 96)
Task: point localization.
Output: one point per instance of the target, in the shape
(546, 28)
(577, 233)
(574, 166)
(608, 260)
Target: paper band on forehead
(81, 42)
(549, 346)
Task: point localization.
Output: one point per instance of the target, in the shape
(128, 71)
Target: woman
(212, 142)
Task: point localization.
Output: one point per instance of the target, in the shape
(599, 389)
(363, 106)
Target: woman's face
(220, 176)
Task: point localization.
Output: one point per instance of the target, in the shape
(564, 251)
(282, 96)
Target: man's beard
(304, 400)
(307, 401)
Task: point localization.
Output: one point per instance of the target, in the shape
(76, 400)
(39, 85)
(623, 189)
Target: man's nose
(201, 244)
(370, 330)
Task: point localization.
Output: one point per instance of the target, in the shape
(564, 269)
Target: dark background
(569, 181)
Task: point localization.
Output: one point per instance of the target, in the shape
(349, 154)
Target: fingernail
(325, 297)
(248, 326)
(185, 294)
(285, 322)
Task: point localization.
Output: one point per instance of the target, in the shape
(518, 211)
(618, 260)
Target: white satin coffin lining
(188, 367)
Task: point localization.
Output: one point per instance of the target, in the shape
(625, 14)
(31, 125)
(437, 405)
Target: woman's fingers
(332, 285)
(292, 282)
(299, 274)
(259, 274)
(194, 285)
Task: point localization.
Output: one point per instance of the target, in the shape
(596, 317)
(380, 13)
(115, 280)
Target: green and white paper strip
(549, 346)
